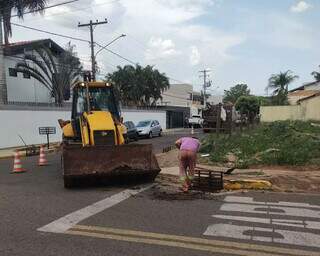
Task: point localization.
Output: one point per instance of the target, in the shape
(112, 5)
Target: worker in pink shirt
(189, 147)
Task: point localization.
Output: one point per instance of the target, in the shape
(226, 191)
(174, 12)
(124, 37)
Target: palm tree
(279, 84)
(56, 75)
(139, 86)
(19, 7)
(316, 75)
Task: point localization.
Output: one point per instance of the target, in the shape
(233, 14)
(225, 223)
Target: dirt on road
(283, 178)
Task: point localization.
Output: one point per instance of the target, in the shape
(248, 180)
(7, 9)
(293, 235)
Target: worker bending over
(188, 147)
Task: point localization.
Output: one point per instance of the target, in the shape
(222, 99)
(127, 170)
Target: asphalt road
(40, 217)
(169, 139)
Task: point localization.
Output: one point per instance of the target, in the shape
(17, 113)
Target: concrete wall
(306, 110)
(311, 108)
(27, 123)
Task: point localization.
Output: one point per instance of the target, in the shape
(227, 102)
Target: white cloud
(195, 56)
(163, 33)
(160, 48)
(300, 6)
(287, 32)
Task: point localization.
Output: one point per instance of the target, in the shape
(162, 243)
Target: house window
(13, 72)
(26, 75)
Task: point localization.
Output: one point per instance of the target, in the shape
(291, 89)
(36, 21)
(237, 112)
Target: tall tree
(249, 106)
(316, 75)
(279, 83)
(8, 7)
(56, 73)
(140, 86)
(235, 93)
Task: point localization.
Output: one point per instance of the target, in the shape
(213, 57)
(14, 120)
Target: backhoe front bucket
(108, 164)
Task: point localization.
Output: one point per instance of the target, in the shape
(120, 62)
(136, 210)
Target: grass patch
(277, 143)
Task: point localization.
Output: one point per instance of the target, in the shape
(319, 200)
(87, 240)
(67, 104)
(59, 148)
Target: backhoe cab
(95, 118)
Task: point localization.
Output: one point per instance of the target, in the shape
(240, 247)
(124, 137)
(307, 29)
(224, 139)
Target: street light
(104, 47)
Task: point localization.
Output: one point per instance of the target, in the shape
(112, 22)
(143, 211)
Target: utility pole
(3, 84)
(93, 58)
(206, 84)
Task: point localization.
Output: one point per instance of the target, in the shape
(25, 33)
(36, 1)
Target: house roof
(20, 47)
(303, 93)
(302, 87)
(312, 96)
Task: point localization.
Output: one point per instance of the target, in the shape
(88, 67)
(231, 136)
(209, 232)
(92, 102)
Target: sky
(239, 41)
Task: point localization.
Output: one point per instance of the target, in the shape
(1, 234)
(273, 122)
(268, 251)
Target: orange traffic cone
(17, 165)
(42, 158)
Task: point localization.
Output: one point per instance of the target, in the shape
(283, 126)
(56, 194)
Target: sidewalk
(7, 153)
(181, 131)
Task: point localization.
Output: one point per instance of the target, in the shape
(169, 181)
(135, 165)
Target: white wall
(22, 89)
(139, 115)
(27, 123)
(177, 95)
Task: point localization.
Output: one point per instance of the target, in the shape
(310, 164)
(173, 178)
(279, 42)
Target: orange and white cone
(17, 165)
(42, 158)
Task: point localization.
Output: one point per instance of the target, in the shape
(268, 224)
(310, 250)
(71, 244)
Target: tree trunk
(3, 84)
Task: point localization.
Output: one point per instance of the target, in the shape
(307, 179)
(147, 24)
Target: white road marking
(282, 222)
(267, 234)
(274, 233)
(249, 200)
(267, 209)
(63, 224)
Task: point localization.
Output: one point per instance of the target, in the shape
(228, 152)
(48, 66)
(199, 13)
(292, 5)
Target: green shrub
(281, 143)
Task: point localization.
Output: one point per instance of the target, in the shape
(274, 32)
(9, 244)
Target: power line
(14, 57)
(74, 10)
(47, 7)
(9, 8)
(117, 54)
(51, 33)
(87, 41)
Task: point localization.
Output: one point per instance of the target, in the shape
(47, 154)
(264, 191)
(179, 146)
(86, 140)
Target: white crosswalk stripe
(270, 225)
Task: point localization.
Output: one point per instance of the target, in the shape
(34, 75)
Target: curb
(247, 184)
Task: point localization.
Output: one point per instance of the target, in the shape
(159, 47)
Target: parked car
(132, 132)
(195, 121)
(149, 128)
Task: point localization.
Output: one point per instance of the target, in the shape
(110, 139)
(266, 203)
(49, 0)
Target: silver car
(149, 128)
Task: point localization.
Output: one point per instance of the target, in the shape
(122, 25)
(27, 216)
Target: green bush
(281, 143)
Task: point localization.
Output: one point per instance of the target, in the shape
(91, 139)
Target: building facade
(21, 88)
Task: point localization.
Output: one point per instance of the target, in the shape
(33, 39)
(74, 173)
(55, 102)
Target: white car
(149, 128)
(195, 121)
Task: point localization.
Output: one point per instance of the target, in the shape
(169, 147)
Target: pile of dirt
(283, 178)
(167, 187)
(291, 180)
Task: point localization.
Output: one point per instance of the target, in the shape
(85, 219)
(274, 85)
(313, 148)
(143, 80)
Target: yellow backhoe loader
(93, 145)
